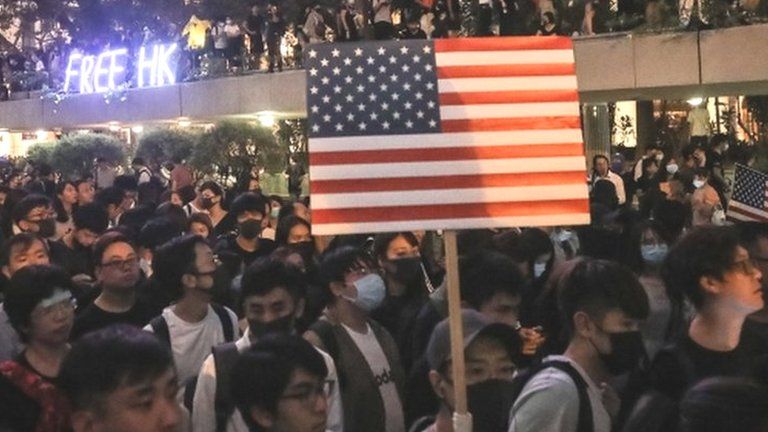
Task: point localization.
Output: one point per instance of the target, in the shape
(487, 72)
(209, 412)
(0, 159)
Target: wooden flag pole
(455, 324)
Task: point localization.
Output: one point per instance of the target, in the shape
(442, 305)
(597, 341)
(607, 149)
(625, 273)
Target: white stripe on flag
(489, 222)
(513, 57)
(745, 208)
(456, 112)
(449, 196)
(441, 168)
(554, 82)
(456, 139)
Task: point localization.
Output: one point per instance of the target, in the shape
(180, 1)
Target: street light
(696, 101)
(184, 122)
(266, 119)
(41, 135)
(138, 129)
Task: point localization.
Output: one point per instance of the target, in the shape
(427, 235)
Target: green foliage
(291, 135)
(232, 149)
(41, 153)
(161, 145)
(73, 155)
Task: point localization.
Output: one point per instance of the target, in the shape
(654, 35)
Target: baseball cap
(474, 324)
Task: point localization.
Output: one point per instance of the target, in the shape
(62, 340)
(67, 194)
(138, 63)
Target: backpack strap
(586, 422)
(160, 328)
(324, 330)
(226, 322)
(224, 357)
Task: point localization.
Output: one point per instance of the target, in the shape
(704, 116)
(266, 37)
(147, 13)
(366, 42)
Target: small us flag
(444, 134)
(750, 189)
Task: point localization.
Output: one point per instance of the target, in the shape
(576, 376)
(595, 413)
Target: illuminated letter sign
(155, 66)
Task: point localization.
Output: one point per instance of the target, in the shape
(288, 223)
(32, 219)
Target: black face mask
(627, 350)
(282, 325)
(306, 249)
(206, 203)
(46, 227)
(250, 229)
(407, 270)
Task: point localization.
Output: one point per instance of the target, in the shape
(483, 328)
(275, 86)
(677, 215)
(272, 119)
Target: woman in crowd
(64, 204)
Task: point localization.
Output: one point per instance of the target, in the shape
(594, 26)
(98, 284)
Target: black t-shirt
(675, 369)
(255, 23)
(225, 226)
(93, 318)
(236, 258)
(78, 260)
(754, 337)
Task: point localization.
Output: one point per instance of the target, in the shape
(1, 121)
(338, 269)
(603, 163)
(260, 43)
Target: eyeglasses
(63, 307)
(308, 394)
(121, 264)
(746, 267)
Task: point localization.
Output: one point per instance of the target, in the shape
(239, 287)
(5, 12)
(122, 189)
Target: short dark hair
(187, 193)
(484, 274)
(213, 187)
(336, 263)
(27, 204)
(138, 161)
(249, 201)
(725, 404)
(91, 217)
(126, 182)
(105, 241)
(595, 286)
(173, 212)
(268, 273)
(102, 361)
(25, 240)
(28, 287)
(173, 260)
(750, 232)
(285, 226)
(381, 242)
(110, 195)
(705, 251)
(201, 218)
(158, 231)
(600, 156)
(263, 372)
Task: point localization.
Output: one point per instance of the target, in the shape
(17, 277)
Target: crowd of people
(266, 38)
(130, 303)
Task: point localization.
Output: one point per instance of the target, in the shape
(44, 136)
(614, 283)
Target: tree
(233, 150)
(73, 155)
(162, 145)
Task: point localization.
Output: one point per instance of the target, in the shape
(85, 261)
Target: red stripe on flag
(503, 43)
(446, 182)
(754, 216)
(445, 154)
(506, 70)
(449, 211)
(473, 98)
(502, 124)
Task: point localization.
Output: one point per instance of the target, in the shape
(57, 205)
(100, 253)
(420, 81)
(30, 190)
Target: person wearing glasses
(717, 276)
(41, 308)
(117, 277)
(184, 268)
(280, 383)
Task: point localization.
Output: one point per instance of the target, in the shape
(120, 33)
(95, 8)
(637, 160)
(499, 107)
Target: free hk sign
(154, 66)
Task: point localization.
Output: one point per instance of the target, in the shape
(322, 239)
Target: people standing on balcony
(220, 41)
(254, 26)
(275, 32)
(234, 42)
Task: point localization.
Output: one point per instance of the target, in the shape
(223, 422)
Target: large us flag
(749, 201)
(444, 134)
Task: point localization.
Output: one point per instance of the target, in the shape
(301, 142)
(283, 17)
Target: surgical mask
(370, 292)
(274, 213)
(282, 325)
(718, 217)
(653, 254)
(407, 270)
(146, 266)
(672, 168)
(206, 203)
(659, 156)
(627, 350)
(539, 269)
(46, 227)
(249, 229)
(564, 236)
(698, 183)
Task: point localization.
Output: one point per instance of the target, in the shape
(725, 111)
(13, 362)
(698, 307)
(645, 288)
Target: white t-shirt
(377, 361)
(191, 343)
(549, 402)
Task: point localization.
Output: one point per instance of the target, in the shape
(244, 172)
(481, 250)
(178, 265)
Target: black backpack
(586, 422)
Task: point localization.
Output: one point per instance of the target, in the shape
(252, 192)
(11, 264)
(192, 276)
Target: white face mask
(539, 269)
(672, 168)
(698, 183)
(659, 156)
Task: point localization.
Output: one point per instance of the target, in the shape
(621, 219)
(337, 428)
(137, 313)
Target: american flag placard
(750, 189)
(444, 134)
